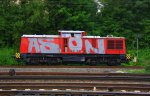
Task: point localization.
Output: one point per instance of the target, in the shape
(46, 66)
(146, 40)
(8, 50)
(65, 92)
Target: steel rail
(81, 84)
(76, 77)
(73, 73)
(74, 86)
(71, 93)
(133, 78)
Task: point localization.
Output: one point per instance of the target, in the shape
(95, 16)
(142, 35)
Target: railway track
(77, 89)
(68, 93)
(13, 72)
(63, 83)
(75, 86)
(31, 77)
(79, 76)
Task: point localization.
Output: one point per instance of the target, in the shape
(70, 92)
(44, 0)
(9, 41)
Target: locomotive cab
(71, 39)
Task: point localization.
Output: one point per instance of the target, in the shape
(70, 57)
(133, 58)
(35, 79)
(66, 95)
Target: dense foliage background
(117, 17)
(125, 18)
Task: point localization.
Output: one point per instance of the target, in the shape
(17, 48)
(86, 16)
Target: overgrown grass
(143, 57)
(6, 57)
(142, 60)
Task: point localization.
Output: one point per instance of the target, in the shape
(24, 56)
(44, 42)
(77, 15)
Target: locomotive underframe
(91, 59)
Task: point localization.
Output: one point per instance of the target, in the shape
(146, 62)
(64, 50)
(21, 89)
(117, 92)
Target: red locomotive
(72, 46)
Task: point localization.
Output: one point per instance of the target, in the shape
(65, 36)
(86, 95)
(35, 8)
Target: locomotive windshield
(66, 35)
(77, 35)
(72, 33)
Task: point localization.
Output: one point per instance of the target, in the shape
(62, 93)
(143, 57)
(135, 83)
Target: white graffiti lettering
(33, 43)
(44, 47)
(90, 47)
(75, 44)
(47, 45)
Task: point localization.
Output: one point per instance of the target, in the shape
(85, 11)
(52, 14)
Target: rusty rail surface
(69, 93)
(71, 73)
(76, 77)
(89, 86)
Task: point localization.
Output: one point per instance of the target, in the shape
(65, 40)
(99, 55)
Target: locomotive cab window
(77, 34)
(72, 34)
(66, 34)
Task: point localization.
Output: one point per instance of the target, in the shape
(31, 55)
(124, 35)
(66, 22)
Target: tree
(125, 18)
(73, 15)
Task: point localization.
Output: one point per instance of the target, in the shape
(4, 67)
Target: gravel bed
(73, 70)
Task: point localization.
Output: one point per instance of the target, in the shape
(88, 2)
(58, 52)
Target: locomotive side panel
(75, 45)
(39, 45)
(115, 46)
(24, 45)
(72, 47)
(94, 45)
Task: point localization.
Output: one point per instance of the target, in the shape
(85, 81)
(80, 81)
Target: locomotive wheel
(110, 64)
(114, 64)
(93, 63)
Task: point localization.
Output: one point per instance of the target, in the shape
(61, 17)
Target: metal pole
(137, 48)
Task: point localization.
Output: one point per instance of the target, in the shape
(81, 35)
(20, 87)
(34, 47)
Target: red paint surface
(115, 51)
(25, 44)
(74, 43)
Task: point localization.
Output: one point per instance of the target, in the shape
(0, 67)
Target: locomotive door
(65, 45)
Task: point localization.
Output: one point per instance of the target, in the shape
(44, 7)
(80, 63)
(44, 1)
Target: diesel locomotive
(72, 47)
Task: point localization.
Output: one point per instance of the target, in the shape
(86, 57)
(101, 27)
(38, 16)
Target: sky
(99, 5)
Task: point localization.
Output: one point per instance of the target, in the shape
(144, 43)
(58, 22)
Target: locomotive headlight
(128, 56)
(17, 55)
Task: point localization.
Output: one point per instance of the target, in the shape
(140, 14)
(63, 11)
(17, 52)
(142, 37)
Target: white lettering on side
(75, 44)
(101, 46)
(49, 46)
(33, 43)
(89, 47)
(43, 45)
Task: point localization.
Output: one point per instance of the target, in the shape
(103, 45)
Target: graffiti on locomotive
(48, 45)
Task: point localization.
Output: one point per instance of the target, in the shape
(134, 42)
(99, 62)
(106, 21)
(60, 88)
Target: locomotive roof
(59, 36)
(40, 36)
(100, 37)
(63, 31)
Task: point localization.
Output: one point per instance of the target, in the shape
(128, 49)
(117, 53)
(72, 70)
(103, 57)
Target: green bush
(143, 60)
(7, 57)
(147, 68)
(143, 57)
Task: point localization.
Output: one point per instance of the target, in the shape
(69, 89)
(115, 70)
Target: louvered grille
(119, 44)
(110, 44)
(115, 44)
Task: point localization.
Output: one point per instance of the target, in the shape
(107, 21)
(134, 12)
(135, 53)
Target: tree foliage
(126, 18)
(117, 17)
